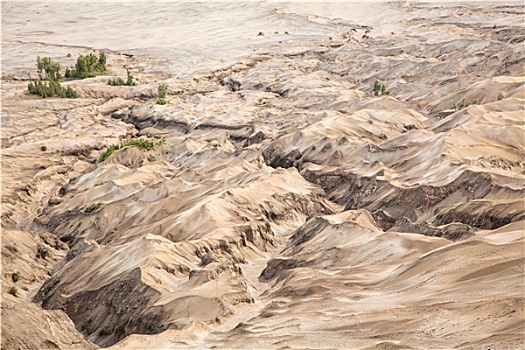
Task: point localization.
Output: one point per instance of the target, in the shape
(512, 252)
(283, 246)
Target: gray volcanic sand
(289, 206)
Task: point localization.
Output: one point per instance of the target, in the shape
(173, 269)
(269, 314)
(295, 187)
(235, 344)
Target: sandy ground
(289, 206)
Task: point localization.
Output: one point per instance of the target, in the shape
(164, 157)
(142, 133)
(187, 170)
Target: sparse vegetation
(116, 82)
(15, 276)
(161, 94)
(380, 89)
(13, 291)
(109, 152)
(119, 81)
(464, 104)
(129, 80)
(88, 66)
(42, 252)
(47, 69)
(48, 82)
(133, 143)
(50, 89)
(43, 148)
(92, 207)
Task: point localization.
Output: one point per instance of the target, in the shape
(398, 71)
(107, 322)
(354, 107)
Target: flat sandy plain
(289, 207)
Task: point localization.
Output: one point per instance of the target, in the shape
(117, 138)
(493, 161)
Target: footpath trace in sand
(322, 176)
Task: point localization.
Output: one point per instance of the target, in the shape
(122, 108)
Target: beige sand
(290, 207)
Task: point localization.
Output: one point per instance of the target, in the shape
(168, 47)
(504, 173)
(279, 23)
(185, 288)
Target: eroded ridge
(336, 185)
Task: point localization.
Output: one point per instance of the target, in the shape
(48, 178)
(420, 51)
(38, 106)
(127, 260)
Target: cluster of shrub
(51, 88)
(136, 143)
(119, 81)
(161, 94)
(92, 207)
(380, 89)
(464, 104)
(49, 76)
(48, 82)
(88, 66)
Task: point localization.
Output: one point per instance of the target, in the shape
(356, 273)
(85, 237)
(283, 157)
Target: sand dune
(286, 205)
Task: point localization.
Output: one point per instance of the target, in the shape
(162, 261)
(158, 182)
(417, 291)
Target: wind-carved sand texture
(289, 207)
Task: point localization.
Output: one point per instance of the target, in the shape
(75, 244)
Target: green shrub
(116, 82)
(48, 82)
(88, 66)
(47, 69)
(69, 93)
(464, 104)
(119, 81)
(161, 92)
(129, 81)
(109, 152)
(13, 291)
(42, 252)
(92, 207)
(45, 88)
(133, 143)
(15, 276)
(379, 89)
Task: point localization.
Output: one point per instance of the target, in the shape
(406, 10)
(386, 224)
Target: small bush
(464, 104)
(109, 152)
(13, 291)
(163, 88)
(69, 93)
(92, 207)
(133, 143)
(43, 148)
(48, 82)
(47, 69)
(379, 89)
(88, 66)
(119, 81)
(50, 89)
(116, 82)
(15, 276)
(129, 81)
(42, 252)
